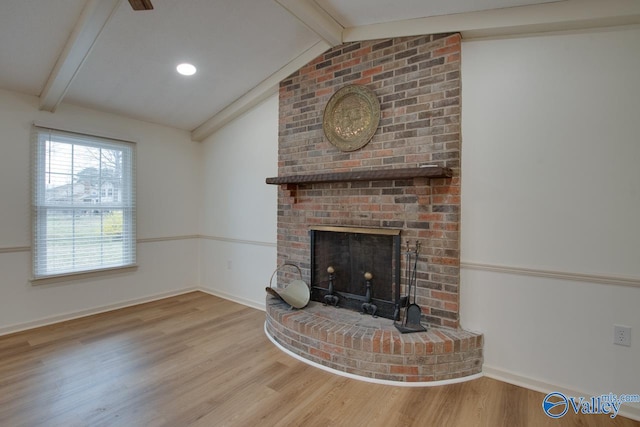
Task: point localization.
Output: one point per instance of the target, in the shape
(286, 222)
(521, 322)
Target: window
(83, 203)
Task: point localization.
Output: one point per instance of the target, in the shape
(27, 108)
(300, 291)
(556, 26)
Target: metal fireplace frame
(386, 308)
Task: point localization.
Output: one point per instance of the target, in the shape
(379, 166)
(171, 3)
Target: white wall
(238, 251)
(168, 200)
(550, 127)
(550, 182)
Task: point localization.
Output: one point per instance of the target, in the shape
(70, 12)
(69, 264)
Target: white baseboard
(249, 303)
(626, 410)
(18, 327)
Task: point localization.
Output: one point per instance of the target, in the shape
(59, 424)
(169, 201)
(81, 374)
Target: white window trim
(37, 170)
(57, 278)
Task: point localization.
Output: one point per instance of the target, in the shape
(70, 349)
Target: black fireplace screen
(352, 252)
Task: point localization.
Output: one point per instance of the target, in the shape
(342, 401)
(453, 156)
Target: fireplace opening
(356, 268)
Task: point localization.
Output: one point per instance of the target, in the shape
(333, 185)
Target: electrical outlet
(622, 335)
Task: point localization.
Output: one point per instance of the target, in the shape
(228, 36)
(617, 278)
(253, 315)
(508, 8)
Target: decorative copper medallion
(351, 117)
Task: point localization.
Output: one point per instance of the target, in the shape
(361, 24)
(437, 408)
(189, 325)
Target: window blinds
(83, 203)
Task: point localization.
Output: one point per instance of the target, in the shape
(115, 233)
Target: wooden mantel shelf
(366, 175)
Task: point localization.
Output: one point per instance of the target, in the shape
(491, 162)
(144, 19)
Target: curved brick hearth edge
(368, 348)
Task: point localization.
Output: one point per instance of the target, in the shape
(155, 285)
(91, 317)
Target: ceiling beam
(546, 17)
(94, 17)
(318, 21)
(262, 91)
(315, 18)
(561, 15)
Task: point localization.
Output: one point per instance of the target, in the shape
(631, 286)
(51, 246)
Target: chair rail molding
(602, 279)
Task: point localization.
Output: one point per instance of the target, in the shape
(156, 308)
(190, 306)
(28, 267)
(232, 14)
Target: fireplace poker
(413, 310)
(411, 321)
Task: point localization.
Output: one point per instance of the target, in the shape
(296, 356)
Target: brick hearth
(373, 348)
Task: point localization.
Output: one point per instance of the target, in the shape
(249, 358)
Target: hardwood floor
(198, 360)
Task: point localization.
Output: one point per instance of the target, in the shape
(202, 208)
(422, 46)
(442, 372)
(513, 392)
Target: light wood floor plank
(198, 360)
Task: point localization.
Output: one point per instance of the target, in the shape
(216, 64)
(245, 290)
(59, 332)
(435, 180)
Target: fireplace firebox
(356, 268)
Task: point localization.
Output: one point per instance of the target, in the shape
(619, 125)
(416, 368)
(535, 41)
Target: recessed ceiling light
(186, 69)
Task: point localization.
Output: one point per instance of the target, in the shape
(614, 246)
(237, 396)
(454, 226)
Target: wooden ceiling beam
(537, 18)
(316, 19)
(95, 16)
(262, 91)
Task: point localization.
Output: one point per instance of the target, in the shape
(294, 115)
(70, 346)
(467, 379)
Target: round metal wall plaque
(351, 117)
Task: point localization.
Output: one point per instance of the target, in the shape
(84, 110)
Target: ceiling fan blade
(141, 4)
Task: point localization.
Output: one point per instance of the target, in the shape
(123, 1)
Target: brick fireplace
(417, 82)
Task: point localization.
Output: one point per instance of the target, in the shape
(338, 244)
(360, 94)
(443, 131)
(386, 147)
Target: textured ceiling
(234, 44)
(241, 47)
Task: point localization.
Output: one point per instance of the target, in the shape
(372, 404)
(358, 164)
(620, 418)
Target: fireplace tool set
(406, 316)
(412, 312)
